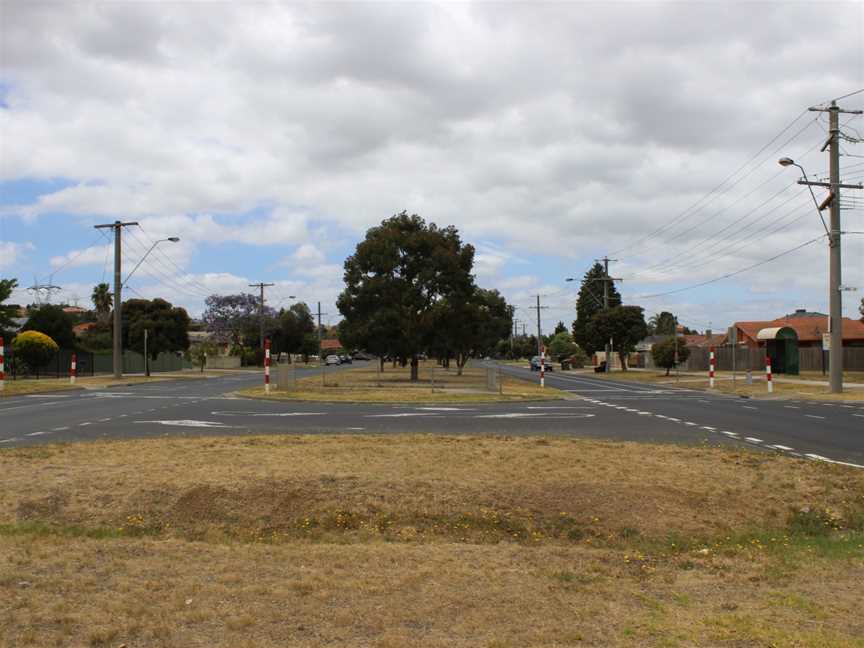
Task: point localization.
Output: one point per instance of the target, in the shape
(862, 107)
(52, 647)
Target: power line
(716, 191)
(733, 274)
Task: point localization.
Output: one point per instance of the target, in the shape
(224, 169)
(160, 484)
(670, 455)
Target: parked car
(359, 355)
(333, 360)
(535, 364)
(345, 359)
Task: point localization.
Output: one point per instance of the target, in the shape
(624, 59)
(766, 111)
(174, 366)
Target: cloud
(11, 252)
(495, 118)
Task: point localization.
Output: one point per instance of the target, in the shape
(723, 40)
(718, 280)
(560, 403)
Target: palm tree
(102, 300)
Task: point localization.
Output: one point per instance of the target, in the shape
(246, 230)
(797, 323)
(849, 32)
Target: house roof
(330, 344)
(80, 329)
(808, 327)
(715, 339)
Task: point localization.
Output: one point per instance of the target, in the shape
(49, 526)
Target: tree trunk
(667, 370)
(415, 369)
(622, 357)
(460, 363)
(381, 360)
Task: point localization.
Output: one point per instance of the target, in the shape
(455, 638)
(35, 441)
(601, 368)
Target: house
(808, 326)
(80, 329)
(704, 341)
(331, 345)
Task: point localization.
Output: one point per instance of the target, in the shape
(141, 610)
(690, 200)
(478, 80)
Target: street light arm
(172, 239)
(815, 202)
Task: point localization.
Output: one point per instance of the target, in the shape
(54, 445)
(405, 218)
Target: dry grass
(724, 384)
(30, 386)
(393, 385)
(423, 540)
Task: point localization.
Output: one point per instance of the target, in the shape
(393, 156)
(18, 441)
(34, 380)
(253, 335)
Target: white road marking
(84, 424)
(514, 415)
(781, 447)
(47, 396)
(9, 440)
(190, 423)
(355, 428)
(401, 415)
(753, 439)
(749, 407)
(60, 429)
(123, 416)
(859, 415)
(104, 419)
(814, 416)
(791, 407)
(691, 423)
(677, 420)
(708, 427)
(734, 435)
(446, 409)
(32, 434)
(260, 414)
(816, 457)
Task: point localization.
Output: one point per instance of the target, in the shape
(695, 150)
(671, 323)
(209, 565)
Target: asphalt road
(598, 408)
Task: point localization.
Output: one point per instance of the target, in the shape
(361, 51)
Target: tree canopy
(102, 300)
(296, 330)
(624, 325)
(53, 322)
(664, 353)
(662, 323)
(7, 312)
(167, 326)
(589, 303)
(393, 282)
(231, 318)
(562, 345)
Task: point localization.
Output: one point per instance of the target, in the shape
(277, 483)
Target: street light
(785, 162)
(171, 239)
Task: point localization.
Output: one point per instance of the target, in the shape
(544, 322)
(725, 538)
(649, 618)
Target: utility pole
(835, 287)
(117, 352)
(262, 286)
(146, 356)
(606, 280)
(538, 307)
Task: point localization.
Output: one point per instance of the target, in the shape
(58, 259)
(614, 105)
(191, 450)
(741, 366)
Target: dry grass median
(425, 540)
(393, 385)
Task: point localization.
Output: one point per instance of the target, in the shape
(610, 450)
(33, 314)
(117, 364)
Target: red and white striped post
(2, 365)
(267, 366)
(768, 374)
(711, 367)
(543, 366)
(73, 369)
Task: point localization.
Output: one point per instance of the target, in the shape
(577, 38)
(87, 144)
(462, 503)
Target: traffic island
(377, 540)
(371, 384)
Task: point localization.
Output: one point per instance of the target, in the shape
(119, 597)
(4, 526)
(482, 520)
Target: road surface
(598, 408)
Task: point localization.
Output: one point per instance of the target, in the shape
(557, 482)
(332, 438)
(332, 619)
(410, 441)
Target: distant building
(808, 326)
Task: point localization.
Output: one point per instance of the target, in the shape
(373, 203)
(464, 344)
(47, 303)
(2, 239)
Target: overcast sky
(269, 136)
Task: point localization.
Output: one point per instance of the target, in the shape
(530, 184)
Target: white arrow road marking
(513, 415)
(191, 423)
(401, 415)
(278, 414)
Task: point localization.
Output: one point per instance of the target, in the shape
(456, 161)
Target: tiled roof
(331, 344)
(808, 328)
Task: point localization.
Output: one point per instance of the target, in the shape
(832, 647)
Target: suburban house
(331, 346)
(808, 327)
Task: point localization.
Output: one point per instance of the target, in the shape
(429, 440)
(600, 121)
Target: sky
(270, 136)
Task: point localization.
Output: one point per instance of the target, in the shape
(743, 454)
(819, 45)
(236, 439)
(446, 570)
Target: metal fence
(90, 364)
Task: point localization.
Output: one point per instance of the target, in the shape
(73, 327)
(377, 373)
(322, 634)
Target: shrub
(33, 348)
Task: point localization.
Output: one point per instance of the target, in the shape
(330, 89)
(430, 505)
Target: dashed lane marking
(814, 416)
(33, 434)
(781, 447)
(84, 424)
(13, 439)
(60, 429)
(753, 439)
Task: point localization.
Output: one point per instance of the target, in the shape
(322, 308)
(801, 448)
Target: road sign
(826, 341)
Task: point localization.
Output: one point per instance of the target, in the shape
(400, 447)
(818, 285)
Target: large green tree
(393, 281)
(624, 325)
(562, 345)
(53, 322)
(167, 327)
(7, 312)
(589, 303)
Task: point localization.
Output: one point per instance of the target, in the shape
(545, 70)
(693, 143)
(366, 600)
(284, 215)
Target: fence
(90, 364)
(810, 359)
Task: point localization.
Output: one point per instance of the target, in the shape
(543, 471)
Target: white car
(333, 360)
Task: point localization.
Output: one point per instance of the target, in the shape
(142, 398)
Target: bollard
(543, 367)
(73, 369)
(768, 374)
(267, 366)
(711, 367)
